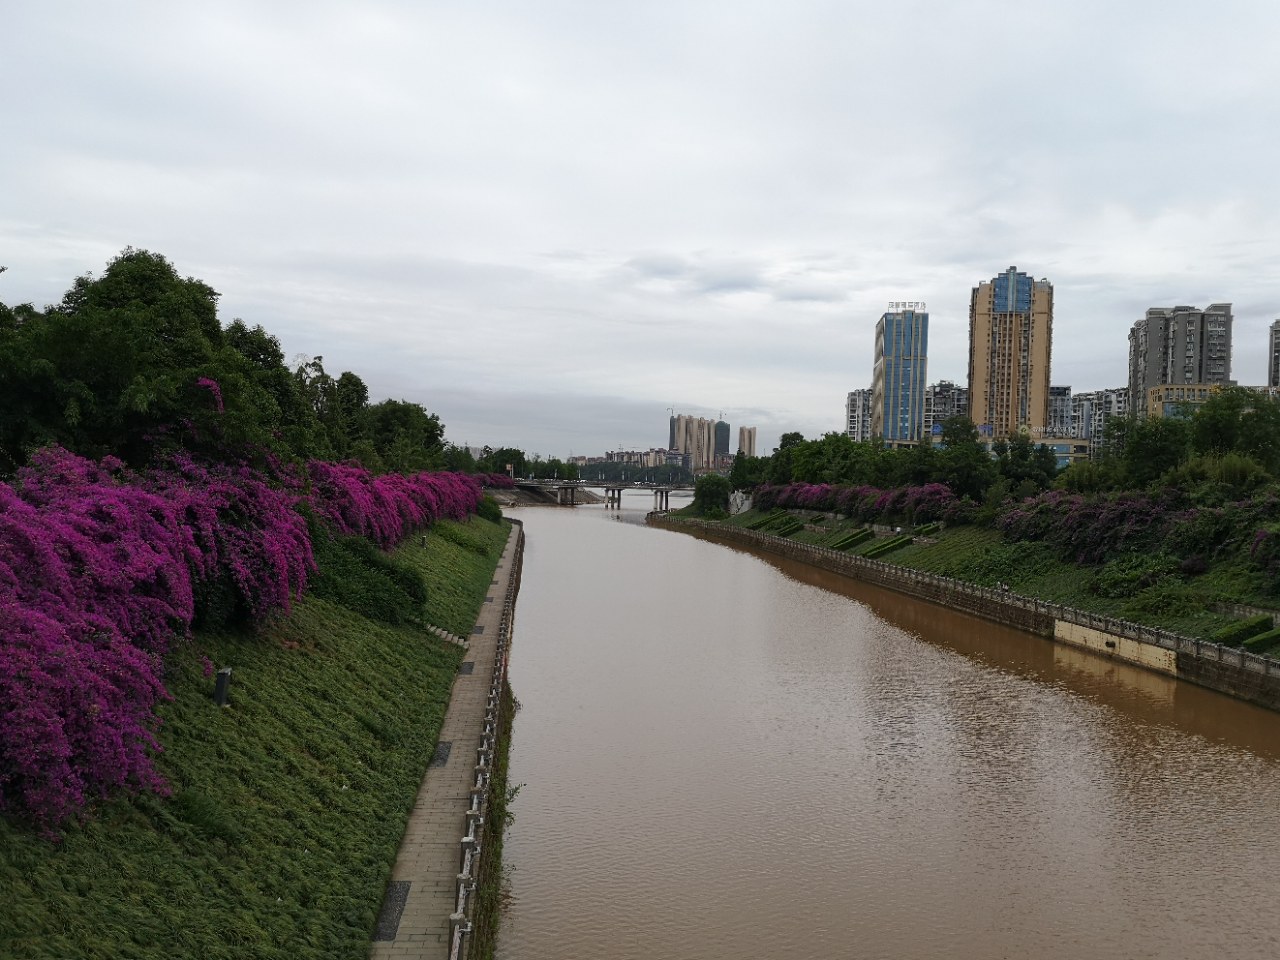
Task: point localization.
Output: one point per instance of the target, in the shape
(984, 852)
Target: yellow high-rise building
(1010, 336)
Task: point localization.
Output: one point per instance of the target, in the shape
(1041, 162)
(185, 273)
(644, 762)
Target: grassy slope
(1031, 569)
(288, 807)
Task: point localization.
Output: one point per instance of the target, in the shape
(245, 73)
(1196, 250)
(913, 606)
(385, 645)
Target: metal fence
(905, 577)
(460, 921)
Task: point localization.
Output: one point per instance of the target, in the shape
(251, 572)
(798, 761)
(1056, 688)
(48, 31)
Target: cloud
(553, 223)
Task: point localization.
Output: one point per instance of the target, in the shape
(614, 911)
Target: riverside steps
(427, 908)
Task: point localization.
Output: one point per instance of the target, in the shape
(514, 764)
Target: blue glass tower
(899, 377)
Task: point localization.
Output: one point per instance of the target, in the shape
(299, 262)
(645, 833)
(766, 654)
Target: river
(725, 756)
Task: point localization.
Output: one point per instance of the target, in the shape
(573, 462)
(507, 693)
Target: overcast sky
(550, 222)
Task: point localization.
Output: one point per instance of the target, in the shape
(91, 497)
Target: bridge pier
(662, 499)
(613, 497)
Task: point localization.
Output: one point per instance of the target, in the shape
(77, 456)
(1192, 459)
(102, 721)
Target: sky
(555, 223)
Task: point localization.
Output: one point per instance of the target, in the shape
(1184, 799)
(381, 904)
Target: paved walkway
(414, 923)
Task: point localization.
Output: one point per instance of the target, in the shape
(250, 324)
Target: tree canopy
(135, 363)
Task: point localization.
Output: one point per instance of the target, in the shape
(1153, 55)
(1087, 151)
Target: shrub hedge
(1264, 642)
(850, 540)
(1237, 633)
(887, 546)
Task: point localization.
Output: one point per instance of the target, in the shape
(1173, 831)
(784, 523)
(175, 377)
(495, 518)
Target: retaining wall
(1228, 670)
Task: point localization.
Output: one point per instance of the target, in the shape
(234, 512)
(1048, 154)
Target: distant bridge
(566, 490)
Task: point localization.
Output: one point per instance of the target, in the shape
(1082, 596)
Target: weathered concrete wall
(1225, 669)
(1230, 678)
(1122, 648)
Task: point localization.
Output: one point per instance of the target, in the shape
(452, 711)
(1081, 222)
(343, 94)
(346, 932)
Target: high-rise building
(722, 439)
(898, 377)
(942, 401)
(1178, 345)
(694, 437)
(1059, 412)
(747, 441)
(1090, 412)
(857, 414)
(1273, 356)
(1010, 345)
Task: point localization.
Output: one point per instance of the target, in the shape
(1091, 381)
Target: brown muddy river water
(726, 756)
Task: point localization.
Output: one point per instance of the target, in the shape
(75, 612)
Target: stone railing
(460, 921)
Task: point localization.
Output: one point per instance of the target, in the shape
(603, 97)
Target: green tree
(1025, 465)
(1238, 420)
(780, 464)
(711, 495)
(748, 473)
(498, 461)
(130, 363)
(348, 414)
(916, 465)
(965, 465)
(275, 392)
(459, 459)
(406, 437)
(1153, 447)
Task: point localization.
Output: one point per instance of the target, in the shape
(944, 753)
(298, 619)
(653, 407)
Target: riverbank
(287, 807)
(1235, 672)
(431, 906)
(519, 497)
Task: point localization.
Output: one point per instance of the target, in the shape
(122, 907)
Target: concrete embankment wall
(1228, 670)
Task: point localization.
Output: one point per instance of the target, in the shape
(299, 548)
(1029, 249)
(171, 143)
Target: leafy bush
(759, 523)
(488, 509)
(1193, 566)
(851, 540)
(711, 492)
(1263, 642)
(1237, 633)
(1164, 600)
(887, 546)
(786, 527)
(1132, 573)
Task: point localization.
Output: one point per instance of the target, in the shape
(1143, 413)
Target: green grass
(457, 563)
(287, 807)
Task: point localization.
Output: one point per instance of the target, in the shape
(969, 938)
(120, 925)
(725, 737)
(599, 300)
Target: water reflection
(734, 756)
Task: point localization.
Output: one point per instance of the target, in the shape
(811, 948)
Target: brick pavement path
(424, 878)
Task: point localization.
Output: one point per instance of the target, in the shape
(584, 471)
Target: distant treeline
(1221, 449)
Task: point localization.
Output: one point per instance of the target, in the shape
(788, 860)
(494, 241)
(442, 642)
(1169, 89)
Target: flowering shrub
(101, 569)
(384, 508)
(916, 504)
(206, 383)
(1091, 529)
(1094, 529)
